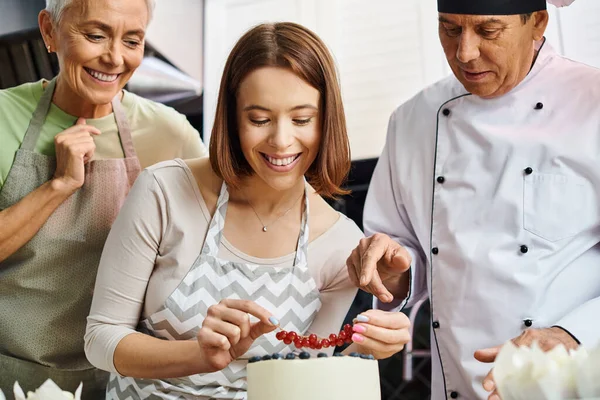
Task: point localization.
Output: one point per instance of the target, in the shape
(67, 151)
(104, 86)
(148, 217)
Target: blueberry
(266, 357)
(354, 354)
(322, 355)
(370, 357)
(304, 355)
(290, 356)
(254, 359)
(338, 355)
(364, 356)
(276, 356)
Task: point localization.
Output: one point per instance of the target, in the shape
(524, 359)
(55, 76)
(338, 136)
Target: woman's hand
(74, 148)
(227, 332)
(381, 333)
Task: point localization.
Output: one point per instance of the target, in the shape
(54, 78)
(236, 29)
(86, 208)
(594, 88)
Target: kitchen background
(386, 50)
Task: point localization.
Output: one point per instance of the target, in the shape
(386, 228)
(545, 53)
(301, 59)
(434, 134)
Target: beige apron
(46, 286)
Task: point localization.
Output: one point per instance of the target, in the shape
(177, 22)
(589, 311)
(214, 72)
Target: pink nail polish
(358, 338)
(359, 329)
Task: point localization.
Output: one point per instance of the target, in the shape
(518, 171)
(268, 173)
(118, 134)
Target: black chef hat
(490, 7)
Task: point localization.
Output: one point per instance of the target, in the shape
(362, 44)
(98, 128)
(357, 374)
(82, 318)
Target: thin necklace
(264, 226)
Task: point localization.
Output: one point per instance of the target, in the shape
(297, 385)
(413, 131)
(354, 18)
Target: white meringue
(48, 391)
(523, 373)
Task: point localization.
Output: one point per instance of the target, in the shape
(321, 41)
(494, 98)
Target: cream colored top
(155, 240)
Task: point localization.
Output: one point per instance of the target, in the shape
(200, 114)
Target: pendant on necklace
(264, 228)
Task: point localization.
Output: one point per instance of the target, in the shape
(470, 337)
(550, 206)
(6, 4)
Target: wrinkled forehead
(490, 7)
(132, 10)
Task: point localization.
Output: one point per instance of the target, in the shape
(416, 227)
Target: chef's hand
(380, 333)
(227, 332)
(378, 264)
(547, 339)
(74, 148)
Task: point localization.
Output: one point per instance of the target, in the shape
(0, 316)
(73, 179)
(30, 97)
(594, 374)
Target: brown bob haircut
(293, 47)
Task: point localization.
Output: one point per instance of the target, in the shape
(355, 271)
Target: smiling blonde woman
(71, 149)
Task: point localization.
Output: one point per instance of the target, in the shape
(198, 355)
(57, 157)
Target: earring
(48, 47)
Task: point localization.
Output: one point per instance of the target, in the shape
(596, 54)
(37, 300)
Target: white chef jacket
(498, 201)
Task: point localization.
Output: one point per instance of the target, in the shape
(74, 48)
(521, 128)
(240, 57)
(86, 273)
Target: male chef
(487, 197)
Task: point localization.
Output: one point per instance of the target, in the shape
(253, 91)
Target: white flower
(48, 391)
(588, 374)
(523, 373)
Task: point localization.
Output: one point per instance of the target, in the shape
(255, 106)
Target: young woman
(213, 255)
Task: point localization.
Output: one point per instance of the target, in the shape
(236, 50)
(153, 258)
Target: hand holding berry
(227, 332)
(380, 333)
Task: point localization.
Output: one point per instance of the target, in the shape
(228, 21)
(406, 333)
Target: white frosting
(523, 373)
(331, 378)
(48, 391)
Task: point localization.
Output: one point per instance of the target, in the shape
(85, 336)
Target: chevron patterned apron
(289, 293)
(46, 286)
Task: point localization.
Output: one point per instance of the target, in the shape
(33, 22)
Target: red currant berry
(349, 339)
(298, 343)
(333, 337)
(342, 335)
(325, 343)
(292, 335)
(340, 342)
(318, 346)
(287, 340)
(312, 338)
(348, 329)
(305, 342)
(281, 335)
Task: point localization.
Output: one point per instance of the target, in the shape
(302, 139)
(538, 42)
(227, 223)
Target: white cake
(327, 378)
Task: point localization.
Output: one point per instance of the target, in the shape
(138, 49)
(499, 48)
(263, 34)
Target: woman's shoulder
(172, 181)
(332, 228)
(169, 176)
(163, 170)
(182, 180)
(346, 231)
(149, 107)
(23, 96)
(151, 113)
(333, 246)
(208, 182)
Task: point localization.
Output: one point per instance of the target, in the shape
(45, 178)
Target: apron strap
(302, 246)
(217, 223)
(39, 116)
(124, 128)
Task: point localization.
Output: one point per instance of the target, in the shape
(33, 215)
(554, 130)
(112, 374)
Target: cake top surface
(305, 356)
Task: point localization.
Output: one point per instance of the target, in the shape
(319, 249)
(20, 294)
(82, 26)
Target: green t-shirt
(159, 132)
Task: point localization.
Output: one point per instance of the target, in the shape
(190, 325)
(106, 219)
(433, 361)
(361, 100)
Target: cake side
(336, 378)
